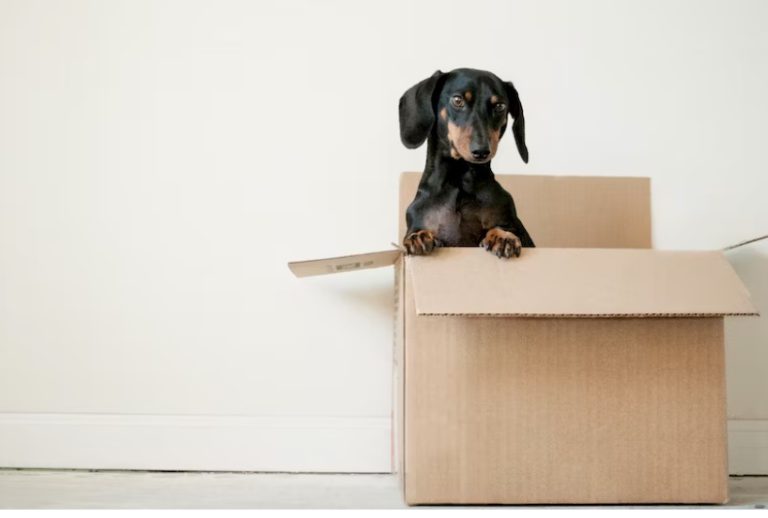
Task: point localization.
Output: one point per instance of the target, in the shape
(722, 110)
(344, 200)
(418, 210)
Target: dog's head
(467, 108)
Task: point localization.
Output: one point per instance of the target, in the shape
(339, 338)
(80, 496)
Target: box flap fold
(573, 282)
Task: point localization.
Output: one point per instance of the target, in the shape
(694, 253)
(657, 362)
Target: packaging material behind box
(571, 211)
(560, 376)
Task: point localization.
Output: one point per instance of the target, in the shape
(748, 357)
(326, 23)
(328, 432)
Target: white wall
(161, 161)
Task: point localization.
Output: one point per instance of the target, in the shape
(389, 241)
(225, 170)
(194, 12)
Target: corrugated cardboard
(576, 282)
(626, 406)
(519, 411)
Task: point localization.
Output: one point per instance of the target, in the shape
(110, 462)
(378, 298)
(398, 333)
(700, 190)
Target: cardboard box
(588, 370)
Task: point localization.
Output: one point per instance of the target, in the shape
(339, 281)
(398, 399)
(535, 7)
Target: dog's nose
(480, 153)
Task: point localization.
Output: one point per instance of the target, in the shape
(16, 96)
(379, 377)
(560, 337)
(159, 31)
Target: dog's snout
(480, 152)
(479, 146)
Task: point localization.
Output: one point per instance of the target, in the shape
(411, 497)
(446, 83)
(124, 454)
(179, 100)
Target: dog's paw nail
(421, 242)
(502, 243)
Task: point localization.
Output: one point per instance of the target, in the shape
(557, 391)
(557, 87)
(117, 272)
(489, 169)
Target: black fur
(459, 202)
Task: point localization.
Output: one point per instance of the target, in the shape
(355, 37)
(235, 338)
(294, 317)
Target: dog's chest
(456, 218)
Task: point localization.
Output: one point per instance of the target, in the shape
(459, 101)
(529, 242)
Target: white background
(160, 162)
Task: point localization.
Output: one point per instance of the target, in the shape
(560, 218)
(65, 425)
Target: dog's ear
(518, 126)
(417, 112)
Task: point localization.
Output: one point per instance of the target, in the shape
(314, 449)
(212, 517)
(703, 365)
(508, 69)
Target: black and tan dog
(462, 114)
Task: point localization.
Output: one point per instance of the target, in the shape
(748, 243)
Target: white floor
(50, 489)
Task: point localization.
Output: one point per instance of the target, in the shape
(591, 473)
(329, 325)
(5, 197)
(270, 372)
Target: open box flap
(344, 263)
(578, 282)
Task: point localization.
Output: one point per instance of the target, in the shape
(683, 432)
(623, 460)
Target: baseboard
(748, 446)
(243, 443)
(196, 443)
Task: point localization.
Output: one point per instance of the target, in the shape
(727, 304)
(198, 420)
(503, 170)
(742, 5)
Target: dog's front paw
(421, 242)
(502, 243)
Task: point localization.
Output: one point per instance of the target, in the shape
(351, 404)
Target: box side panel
(571, 211)
(583, 211)
(565, 411)
(398, 375)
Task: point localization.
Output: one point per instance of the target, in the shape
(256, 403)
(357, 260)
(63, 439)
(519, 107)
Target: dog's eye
(457, 101)
(500, 107)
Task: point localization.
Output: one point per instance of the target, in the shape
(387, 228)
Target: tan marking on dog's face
(493, 139)
(444, 113)
(494, 99)
(468, 96)
(460, 138)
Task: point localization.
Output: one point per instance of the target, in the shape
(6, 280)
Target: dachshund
(462, 115)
